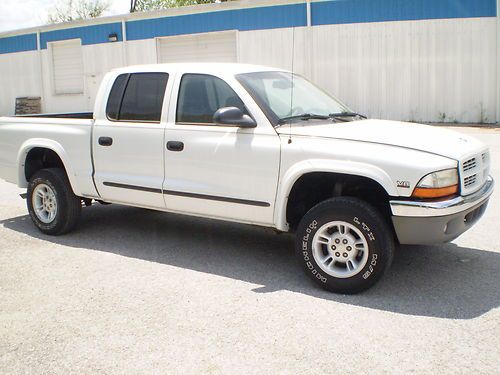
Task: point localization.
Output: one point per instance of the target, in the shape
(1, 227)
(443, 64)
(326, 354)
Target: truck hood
(420, 137)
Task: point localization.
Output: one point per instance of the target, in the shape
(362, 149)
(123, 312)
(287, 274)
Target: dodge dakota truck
(253, 145)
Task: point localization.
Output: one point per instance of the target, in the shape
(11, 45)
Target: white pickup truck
(253, 145)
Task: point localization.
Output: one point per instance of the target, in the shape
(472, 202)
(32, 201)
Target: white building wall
(427, 70)
(19, 76)
(274, 48)
(432, 70)
(141, 52)
(97, 60)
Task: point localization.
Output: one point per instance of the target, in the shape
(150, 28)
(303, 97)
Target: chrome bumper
(427, 223)
(443, 208)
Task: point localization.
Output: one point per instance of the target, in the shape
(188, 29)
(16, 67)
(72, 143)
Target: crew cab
(253, 145)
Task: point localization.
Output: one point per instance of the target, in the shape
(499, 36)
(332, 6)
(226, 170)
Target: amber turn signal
(427, 193)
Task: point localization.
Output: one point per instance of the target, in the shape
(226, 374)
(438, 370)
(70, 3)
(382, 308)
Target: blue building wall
(265, 17)
(270, 17)
(94, 34)
(359, 11)
(18, 43)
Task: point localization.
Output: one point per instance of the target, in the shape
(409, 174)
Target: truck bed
(68, 134)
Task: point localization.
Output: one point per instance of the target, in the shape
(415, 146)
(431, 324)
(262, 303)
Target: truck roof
(234, 68)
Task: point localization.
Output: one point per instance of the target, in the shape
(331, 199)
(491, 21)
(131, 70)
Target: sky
(20, 14)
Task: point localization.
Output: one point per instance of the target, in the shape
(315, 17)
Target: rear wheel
(344, 245)
(52, 205)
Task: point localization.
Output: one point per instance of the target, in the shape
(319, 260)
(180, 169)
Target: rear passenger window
(137, 97)
(201, 95)
(115, 97)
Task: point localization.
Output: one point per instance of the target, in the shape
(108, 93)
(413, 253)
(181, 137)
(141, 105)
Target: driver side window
(201, 95)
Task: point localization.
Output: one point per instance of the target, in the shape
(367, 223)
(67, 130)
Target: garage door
(67, 66)
(209, 47)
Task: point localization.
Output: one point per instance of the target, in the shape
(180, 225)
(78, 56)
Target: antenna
(291, 94)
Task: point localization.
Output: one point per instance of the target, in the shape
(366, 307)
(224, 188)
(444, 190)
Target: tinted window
(143, 97)
(115, 97)
(137, 97)
(200, 96)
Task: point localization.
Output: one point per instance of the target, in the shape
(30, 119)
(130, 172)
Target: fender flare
(296, 171)
(49, 144)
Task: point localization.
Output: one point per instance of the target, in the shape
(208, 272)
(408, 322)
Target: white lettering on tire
(366, 228)
(305, 253)
(305, 239)
(373, 263)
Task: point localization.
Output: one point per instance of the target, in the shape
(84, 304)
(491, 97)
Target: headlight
(437, 184)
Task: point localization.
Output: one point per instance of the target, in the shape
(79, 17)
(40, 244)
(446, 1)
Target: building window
(67, 66)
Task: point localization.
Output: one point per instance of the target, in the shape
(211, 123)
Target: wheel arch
(28, 160)
(333, 171)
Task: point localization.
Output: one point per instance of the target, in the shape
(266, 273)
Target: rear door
(128, 141)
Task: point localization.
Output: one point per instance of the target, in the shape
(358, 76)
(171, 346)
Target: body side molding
(189, 195)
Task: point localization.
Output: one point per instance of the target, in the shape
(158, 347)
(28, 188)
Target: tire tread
(70, 205)
(356, 205)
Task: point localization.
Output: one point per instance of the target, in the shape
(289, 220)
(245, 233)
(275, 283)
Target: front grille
(469, 164)
(469, 181)
(474, 171)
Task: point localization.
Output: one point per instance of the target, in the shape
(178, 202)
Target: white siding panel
(431, 70)
(414, 70)
(274, 48)
(67, 66)
(98, 59)
(208, 47)
(52, 102)
(141, 51)
(19, 77)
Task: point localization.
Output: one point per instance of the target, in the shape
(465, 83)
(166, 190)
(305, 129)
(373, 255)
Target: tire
(344, 245)
(61, 208)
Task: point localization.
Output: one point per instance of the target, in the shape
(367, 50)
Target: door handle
(105, 141)
(175, 146)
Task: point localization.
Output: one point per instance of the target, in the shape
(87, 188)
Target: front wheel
(52, 205)
(344, 245)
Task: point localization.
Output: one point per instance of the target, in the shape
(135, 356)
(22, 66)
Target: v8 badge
(403, 184)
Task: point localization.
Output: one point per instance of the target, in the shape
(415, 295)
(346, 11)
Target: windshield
(273, 92)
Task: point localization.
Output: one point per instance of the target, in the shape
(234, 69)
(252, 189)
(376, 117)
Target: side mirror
(233, 116)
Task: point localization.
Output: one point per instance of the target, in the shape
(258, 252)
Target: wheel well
(41, 158)
(313, 188)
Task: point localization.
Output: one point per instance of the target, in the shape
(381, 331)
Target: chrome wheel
(44, 203)
(340, 249)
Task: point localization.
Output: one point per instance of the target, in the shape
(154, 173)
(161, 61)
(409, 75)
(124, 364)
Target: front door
(218, 171)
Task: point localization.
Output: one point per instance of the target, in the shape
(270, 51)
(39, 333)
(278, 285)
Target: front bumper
(425, 223)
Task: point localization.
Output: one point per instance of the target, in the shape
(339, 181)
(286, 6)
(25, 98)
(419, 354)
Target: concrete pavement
(137, 291)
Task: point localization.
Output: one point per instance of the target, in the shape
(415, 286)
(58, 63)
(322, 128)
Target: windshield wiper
(347, 114)
(304, 116)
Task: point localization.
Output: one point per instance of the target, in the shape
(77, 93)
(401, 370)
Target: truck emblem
(404, 184)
